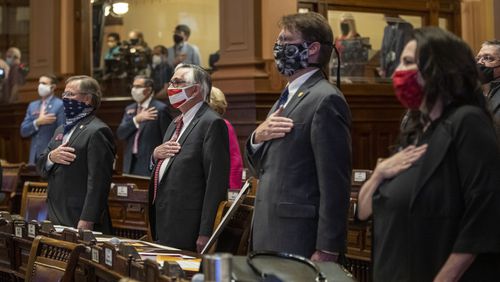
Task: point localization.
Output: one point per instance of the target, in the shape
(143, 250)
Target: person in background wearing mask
(488, 60)
(138, 55)
(42, 118)
(347, 30)
(191, 167)
(301, 153)
(162, 71)
(142, 127)
(78, 161)
(113, 42)
(182, 51)
(16, 75)
(4, 73)
(435, 202)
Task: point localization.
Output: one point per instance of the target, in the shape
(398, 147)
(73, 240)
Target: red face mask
(408, 90)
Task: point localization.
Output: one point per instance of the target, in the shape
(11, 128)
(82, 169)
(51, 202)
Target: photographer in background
(137, 54)
(113, 58)
(15, 76)
(4, 71)
(162, 71)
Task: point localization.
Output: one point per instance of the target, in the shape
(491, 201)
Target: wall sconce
(119, 8)
(116, 9)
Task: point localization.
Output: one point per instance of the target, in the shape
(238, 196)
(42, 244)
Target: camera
(137, 57)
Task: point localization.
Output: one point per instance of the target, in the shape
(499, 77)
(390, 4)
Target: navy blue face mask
(74, 111)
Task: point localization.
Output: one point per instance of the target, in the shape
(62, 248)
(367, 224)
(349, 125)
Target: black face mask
(134, 41)
(178, 38)
(344, 28)
(486, 74)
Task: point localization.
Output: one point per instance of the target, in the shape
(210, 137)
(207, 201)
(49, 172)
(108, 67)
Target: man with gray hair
(78, 161)
(488, 61)
(191, 168)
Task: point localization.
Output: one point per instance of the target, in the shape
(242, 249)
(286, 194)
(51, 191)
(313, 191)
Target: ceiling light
(120, 8)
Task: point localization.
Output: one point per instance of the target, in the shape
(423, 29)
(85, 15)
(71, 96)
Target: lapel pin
(81, 126)
(301, 94)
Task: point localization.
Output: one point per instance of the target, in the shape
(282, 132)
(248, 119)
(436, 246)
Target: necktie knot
(178, 126)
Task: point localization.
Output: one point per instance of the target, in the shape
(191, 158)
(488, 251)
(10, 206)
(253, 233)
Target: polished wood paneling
(375, 121)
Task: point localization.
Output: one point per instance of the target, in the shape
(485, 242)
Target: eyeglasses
(69, 94)
(486, 58)
(176, 83)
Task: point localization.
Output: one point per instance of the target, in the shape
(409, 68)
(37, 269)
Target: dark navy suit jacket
(150, 135)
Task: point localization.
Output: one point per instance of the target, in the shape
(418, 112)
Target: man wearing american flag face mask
(191, 167)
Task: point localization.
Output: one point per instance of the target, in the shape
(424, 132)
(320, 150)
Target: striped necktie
(178, 126)
(135, 147)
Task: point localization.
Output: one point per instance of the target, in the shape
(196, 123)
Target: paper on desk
(107, 239)
(185, 264)
(165, 254)
(190, 265)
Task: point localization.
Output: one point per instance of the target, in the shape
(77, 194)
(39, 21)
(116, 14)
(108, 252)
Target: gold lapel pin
(301, 94)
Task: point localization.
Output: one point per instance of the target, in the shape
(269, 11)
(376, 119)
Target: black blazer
(305, 177)
(80, 190)
(194, 183)
(455, 204)
(150, 136)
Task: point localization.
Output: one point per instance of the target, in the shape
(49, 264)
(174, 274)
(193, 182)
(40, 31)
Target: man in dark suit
(302, 152)
(79, 161)
(143, 126)
(42, 118)
(488, 60)
(191, 171)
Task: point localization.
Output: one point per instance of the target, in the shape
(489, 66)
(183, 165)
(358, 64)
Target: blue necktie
(283, 98)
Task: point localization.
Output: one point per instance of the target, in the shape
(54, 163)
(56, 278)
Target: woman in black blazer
(436, 202)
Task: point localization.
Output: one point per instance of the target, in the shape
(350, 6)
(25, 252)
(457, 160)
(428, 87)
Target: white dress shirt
(186, 119)
(65, 139)
(144, 105)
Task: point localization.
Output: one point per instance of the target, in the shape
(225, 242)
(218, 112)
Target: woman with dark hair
(436, 202)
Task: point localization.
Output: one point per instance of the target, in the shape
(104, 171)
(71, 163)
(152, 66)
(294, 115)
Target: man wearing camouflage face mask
(488, 61)
(302, 152)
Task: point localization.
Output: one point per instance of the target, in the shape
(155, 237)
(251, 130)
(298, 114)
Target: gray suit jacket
(150, 136)
(494, 104)
(304, 177)
(80, 190)
(194, 183)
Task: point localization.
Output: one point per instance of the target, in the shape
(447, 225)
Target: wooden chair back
(10, 184)
(52, 260)
(234, 238)
(152, 272)
(10, 176)
(105, 264)
(34, 201)
(128, 207)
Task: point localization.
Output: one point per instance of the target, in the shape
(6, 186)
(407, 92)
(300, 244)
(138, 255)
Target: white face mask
(138, 94)
(156, 60)
(178, 96)
(44, 90)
